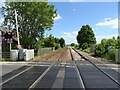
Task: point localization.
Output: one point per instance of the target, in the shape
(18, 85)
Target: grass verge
(37, 57)
(5, 59)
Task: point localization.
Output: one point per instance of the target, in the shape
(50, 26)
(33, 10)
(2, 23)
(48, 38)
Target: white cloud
(75, 32)
(58, 17)
(105, 19)
(109, 36)
(1, 21)
(70, 37)
(113, 23)
(99, 38)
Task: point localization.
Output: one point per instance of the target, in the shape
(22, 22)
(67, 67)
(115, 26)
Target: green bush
(87, 50)
(110, 55)
(99, 50)
(57, 46)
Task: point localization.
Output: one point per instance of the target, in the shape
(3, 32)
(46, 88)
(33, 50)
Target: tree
(72, 44)
(118, 37)
(33, 17)
(62, 42)
(86, 37)
(49, 41)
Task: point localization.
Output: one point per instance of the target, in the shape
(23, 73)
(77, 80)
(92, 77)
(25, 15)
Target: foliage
(5, 59)
(101, 49)
(39, 44)
(87, 50)
(62, 42)
(57, 46)
(33, 19)
(72, 44)
(110, 55)
(86, 37)
(50, 41)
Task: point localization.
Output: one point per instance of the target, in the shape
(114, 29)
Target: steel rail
(41, 76)
(78, 71)
(98, 68)
(44, 73)
(16, 75)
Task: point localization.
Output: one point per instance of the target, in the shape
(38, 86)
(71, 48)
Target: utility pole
(17, 27)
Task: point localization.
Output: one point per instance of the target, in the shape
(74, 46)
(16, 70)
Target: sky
(101, 16)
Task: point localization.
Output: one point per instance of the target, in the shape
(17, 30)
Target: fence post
(0, 44)
(117, 56)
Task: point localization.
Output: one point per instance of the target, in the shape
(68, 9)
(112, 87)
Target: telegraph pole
(17, 27)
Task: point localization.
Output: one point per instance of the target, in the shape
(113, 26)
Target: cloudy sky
(101, 16)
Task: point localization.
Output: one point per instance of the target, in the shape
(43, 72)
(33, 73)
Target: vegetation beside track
(37, 57)
(5, 59)
(106, 49)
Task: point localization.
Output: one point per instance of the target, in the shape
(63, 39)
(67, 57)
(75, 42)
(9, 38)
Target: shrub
(99, 50)
(110, 55)
(57, 46)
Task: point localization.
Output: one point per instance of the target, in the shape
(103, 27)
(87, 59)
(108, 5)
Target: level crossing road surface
(67, 69)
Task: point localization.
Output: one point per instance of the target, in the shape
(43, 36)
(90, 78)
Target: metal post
(17, 27)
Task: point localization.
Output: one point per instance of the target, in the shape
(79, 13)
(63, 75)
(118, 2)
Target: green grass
(36, 57)
(5, 59)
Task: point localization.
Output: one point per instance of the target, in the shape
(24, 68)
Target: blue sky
(101, 16)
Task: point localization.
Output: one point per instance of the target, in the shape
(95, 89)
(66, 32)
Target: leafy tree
(57, 46)
(57, 40)
(62, 42)
(86, 37)
(33, 19)
(118, 37)
(39, 44)
(49, 41)
(72, 44)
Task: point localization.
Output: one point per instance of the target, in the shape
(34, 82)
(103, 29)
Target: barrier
(14, 55)
(21, 54)
(29, 54)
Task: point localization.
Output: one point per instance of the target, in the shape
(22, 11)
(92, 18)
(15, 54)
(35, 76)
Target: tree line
(50, 41)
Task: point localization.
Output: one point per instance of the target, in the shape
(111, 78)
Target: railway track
(75, 74)
(97, 69)
(10, 78)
